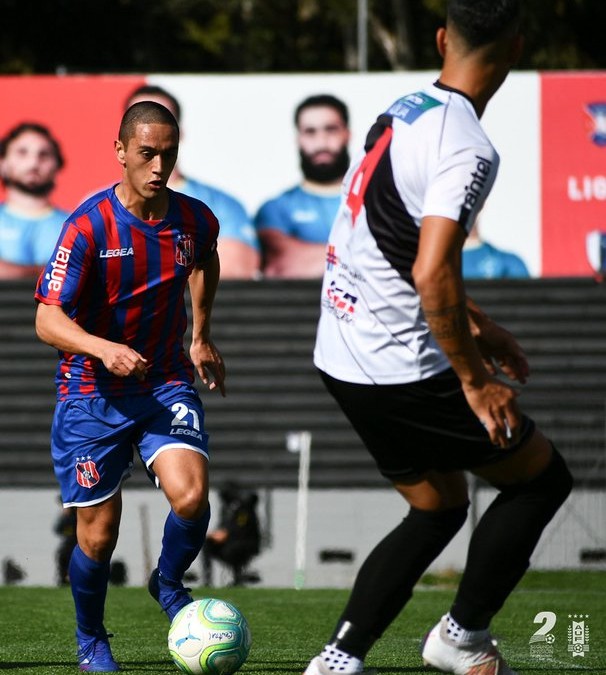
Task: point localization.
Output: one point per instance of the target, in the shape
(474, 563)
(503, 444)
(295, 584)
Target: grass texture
(290, 626)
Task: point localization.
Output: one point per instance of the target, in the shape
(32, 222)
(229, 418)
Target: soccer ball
(209, 637)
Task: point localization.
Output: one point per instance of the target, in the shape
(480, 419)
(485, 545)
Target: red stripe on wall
(573, 170)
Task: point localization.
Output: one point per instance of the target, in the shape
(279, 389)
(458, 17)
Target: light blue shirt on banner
(307, 216)
(231, 214)
(26, 240)
(487, 262)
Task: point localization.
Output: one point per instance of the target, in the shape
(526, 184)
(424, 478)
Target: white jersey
(426, 156)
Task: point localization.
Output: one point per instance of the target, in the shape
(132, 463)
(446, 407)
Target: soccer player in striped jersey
(111, 300)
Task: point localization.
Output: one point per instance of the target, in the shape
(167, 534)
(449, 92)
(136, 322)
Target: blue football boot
(171, 596)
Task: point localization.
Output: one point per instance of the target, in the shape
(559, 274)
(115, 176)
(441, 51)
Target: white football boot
(319, 666)
(443, 653)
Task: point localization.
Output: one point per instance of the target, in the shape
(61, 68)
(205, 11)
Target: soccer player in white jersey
(412, 361)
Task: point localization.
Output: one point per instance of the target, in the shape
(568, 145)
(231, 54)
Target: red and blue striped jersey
(124, 279)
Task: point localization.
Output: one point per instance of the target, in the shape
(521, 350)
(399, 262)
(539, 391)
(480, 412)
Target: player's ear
(120, 151)
(441, 41)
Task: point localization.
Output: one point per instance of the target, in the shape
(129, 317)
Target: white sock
(341, 662)
(462, 636)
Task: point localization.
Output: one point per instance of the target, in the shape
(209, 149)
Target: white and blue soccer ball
(209, 637)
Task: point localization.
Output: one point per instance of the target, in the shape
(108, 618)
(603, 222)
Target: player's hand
(209, 364)
(495, 405)
(123, 361)
(498, 346)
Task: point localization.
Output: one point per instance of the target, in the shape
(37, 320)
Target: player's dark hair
(37, 128)
(323, 101)
(155, 90)
(480, 22)
(145, 112)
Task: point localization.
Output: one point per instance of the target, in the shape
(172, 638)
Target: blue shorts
(93, 439)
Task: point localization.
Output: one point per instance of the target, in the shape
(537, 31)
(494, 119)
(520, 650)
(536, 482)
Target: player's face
(149, 158)
(322, 134)
(30, 164)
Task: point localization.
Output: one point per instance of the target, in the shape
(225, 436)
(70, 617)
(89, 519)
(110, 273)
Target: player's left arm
(439, 283)
(497, 345)
(203, 283)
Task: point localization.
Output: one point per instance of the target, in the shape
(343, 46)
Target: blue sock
(88, 580)
(181, 544)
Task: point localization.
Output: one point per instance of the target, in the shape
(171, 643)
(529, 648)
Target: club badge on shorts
(184, 253)
(86, 472)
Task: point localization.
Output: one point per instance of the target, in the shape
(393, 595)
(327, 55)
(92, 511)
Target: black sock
(503, 541)
(386, 579)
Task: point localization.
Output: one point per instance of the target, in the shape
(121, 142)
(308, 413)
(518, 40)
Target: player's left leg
(533, 484)
(174, 447)
(183, 477)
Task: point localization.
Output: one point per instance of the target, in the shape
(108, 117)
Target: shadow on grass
(30, 667)
(26, 666)
(297, 667)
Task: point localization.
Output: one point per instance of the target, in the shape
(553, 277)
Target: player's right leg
(438, 508)
(385, 582)
(92, 453)
(89, 576)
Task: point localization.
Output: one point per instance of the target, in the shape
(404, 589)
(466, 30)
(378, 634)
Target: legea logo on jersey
(56, 276)
(184, 253)
(116, 252)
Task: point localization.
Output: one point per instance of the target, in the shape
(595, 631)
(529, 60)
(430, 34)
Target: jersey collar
(445, 87)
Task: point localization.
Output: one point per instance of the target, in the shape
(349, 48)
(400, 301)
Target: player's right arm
(439, 283)
(54, 327)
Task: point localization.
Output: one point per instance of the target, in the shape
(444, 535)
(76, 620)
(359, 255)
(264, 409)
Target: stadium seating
(265, 331)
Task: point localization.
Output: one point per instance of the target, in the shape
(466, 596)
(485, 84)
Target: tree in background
(190, 36)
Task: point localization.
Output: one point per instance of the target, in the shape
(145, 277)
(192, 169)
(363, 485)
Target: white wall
(239, 135)
(353, 520)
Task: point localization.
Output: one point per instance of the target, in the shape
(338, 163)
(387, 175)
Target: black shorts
(413, 428)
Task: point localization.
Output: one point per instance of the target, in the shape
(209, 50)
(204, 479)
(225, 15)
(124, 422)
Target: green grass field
(288, 627)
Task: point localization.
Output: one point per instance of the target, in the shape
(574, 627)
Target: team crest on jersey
(86, 472)
(185, 250)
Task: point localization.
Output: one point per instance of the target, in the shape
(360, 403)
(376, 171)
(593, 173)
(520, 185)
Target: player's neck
(478, 73)
(142, 208)
(25, 204)
(332, 188)
(479, 86)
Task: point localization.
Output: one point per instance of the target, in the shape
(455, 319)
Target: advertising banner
(573, 139)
